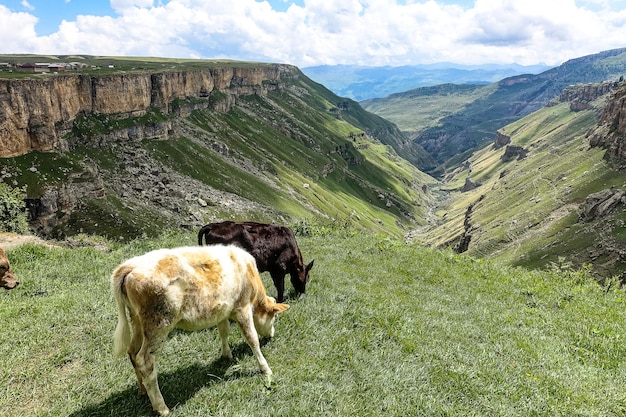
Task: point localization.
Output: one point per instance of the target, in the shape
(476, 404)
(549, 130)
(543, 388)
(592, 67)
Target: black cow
(273, 247)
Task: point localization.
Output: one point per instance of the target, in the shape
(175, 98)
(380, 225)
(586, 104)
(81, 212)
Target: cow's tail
(121, 338)
(203, 230)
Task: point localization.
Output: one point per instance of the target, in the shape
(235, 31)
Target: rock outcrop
(610, 132)
(501, 140)
(513, 151)
(38, 114)
(600, 204)
(580, 96)
(469, 228)
(469, 185)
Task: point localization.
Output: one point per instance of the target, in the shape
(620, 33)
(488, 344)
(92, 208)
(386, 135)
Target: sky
(319, 32)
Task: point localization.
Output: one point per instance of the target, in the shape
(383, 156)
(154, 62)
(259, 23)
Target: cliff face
(36, 114)
(580, 96)
(610, 133)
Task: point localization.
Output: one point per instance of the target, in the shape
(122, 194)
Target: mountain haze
(362, 83)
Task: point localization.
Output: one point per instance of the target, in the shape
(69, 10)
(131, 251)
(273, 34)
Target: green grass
(526, 212)
(417, 109)
(99, 65)
(386, 328)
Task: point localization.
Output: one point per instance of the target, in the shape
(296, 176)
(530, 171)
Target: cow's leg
(246, 323)
(279, 282)
(136, 341)
(145, 365)
(224, 328)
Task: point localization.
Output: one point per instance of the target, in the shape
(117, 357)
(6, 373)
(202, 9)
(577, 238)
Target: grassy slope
(386, 329)
(99, 65)
(529, 211)
(451, 126)
(304, 155)
(276, 144)
(417, 109)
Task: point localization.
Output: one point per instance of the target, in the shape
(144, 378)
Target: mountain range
(362, 82)
(527, 169)
(451, 121)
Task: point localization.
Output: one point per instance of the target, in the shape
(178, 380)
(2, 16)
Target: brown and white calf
(7, 279)
(190, 288)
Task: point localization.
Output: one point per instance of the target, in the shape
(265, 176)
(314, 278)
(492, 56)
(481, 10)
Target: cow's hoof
(163, 412)
(268, 381)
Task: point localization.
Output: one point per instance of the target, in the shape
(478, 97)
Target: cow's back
(225, 233)
(264, 242)
(189, 287)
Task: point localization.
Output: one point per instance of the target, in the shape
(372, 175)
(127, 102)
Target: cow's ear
(309, 266)
(279, 308)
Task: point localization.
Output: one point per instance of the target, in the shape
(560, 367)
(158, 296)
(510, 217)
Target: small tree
(12, 210)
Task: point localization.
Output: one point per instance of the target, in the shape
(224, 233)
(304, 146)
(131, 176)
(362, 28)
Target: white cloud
(367, 32)
(27, 5)
(20, 31)
(121, 5)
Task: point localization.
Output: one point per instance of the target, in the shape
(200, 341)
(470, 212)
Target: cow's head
(7, 279)
(264, 316)
(300, 277)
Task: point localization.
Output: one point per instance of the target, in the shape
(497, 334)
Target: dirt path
(10, 240)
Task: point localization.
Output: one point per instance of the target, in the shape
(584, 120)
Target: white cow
(190, 288)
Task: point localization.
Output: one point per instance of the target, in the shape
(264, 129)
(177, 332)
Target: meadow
(386, 329)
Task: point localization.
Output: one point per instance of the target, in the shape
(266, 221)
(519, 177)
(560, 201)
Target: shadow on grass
(177, 387)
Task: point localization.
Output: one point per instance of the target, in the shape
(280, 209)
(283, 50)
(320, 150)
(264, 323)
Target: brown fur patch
(7, 279)
(168, 266)
(211, 272)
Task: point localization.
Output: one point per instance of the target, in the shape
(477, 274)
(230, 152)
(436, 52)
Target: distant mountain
(549, 190)
(463, 119)
(362, 82)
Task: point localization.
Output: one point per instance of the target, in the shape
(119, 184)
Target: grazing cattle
(7, 279)
(190, 288)
(274, 248)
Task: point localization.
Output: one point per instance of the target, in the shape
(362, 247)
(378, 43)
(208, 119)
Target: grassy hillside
(420, 108)
(100, 65)
(300, 152)
(452, 124)
(528, 211)
(386, 328)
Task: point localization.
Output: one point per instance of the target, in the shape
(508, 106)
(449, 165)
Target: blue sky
(51, 12)
(315, 32)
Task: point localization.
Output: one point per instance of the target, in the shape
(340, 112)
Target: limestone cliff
(38, 114)
(581, 96)
(610, 133)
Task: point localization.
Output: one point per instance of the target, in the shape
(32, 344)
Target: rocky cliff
(610, 133)
(580, 96)
(38, 114)
(241, 141)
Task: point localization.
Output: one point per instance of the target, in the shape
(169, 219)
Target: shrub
(12, 210)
